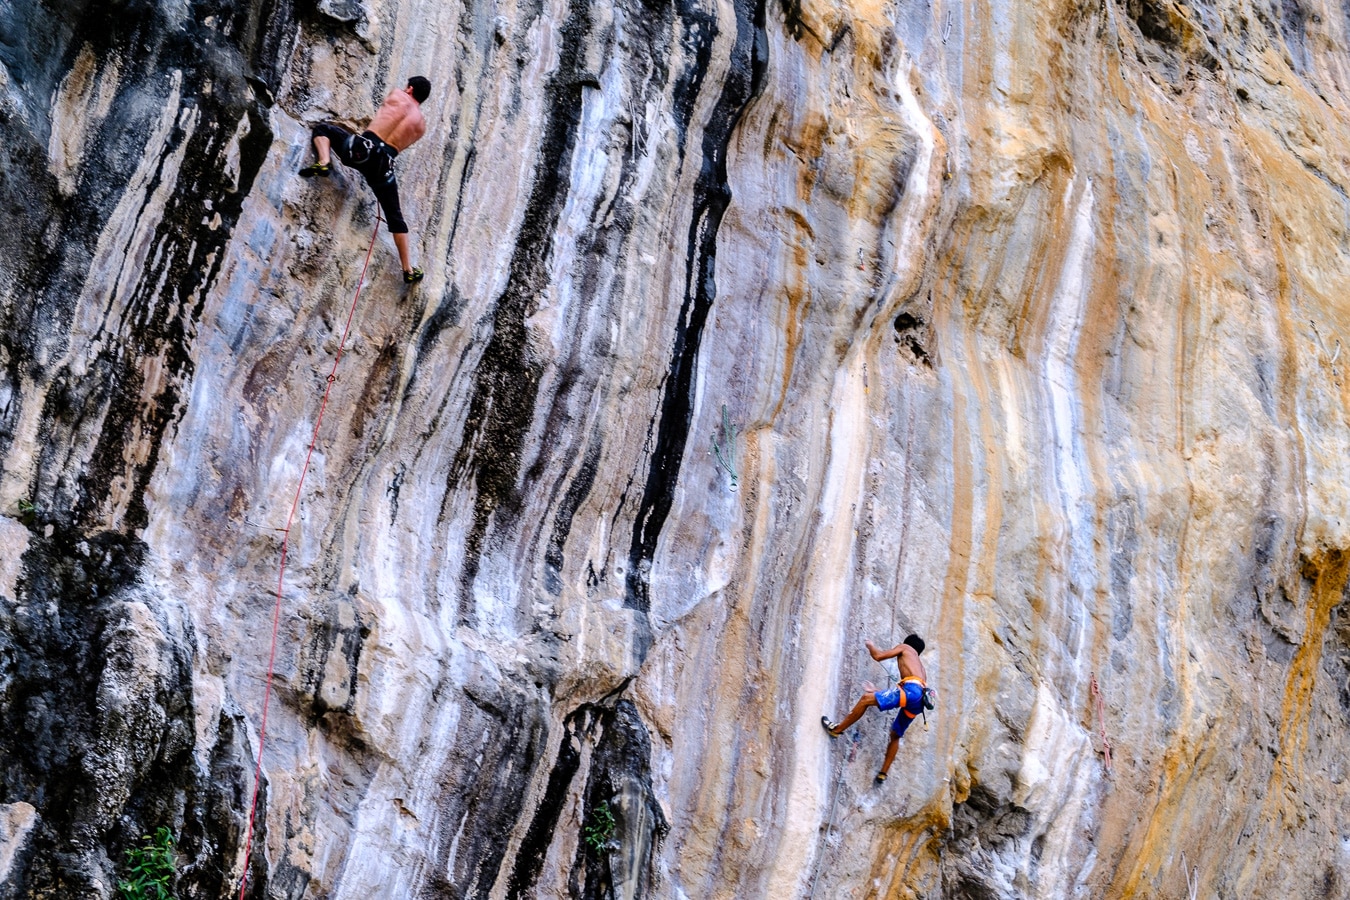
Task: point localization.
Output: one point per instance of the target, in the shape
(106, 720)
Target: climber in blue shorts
(907, 696)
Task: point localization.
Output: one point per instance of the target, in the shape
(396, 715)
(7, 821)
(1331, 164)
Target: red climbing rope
(285, 541)
(1101, 720)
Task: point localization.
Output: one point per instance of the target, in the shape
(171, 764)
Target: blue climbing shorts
(912, 706)
(888, 699)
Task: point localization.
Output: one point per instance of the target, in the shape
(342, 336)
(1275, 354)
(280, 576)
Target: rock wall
(751, 330)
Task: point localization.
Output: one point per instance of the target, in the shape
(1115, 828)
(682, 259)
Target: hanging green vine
(726, 450)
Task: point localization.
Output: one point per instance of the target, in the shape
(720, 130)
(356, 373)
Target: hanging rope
(889, 677)
(1192, 878)
(285, 542)
(829, 821)
(1101, 720)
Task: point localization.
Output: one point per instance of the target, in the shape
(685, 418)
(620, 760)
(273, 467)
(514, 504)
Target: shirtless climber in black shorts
(396, 127)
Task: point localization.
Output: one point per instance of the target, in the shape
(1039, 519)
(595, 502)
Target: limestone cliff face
(751, 330)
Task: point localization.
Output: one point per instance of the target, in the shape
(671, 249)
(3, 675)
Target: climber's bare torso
(908, 663)
(399, 122)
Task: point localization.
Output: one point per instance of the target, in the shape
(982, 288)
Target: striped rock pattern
(751, 330)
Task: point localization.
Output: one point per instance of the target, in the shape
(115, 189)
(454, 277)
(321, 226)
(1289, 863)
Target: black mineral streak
(506, 383)
(583, 372)
(99, 777)
(711, 195)
(67, 753)
(577, 490)
(529, 859)
(498, 744)
(620, 755)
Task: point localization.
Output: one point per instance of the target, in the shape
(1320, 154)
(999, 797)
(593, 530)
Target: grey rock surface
(751, 330)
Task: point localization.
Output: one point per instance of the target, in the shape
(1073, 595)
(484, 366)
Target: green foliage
(27, 511)
(600, 828)
(151, 868)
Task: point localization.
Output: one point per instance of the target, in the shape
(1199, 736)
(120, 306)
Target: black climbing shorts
(374, 159)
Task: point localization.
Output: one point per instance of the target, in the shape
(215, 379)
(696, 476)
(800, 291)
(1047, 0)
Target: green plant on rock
(600, 828)
(150, 868)
(27, 511)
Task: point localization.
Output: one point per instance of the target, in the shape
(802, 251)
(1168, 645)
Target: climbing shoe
(320, 169)
(831, 728)
(414, 276)
(881, 778)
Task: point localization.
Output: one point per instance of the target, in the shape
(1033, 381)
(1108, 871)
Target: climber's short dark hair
(916, 642)
(421, 88)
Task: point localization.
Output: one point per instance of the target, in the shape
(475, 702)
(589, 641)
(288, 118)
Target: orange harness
(911, 679)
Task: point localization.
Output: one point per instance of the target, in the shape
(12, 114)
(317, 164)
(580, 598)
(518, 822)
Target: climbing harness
(904, 700)
(359, 149)
(285, 541)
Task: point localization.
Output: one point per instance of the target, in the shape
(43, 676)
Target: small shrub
(600, 828)
(151, 869)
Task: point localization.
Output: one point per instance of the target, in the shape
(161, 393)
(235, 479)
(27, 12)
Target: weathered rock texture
(752, 329)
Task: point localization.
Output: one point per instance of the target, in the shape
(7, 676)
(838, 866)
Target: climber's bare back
(399, 122)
